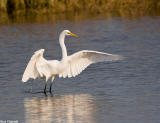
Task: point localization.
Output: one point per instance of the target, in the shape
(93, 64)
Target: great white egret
(68, 66)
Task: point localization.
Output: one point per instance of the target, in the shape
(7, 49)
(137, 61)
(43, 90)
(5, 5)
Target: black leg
(45, 88)
(50, 89)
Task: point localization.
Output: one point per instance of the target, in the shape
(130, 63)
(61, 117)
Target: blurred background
(41, 11)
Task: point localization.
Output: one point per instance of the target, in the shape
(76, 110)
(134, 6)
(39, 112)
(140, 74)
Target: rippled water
(125, 91)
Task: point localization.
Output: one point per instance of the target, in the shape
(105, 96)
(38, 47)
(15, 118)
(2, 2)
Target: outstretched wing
(31, 69)
(77, 62)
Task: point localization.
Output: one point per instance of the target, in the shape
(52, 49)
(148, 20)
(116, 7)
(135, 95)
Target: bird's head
(69, 33)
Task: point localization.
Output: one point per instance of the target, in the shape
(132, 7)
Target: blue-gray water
(126, 91)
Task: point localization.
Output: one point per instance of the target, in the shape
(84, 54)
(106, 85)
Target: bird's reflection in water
(66, 108)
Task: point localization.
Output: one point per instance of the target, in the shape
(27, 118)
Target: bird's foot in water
(45, 92)
(50, 91)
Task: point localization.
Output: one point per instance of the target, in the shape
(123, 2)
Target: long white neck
(63, 47)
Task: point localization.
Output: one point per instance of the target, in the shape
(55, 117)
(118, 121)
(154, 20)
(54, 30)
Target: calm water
(126, 91)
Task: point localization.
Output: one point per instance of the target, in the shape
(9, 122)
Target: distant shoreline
(35, 10)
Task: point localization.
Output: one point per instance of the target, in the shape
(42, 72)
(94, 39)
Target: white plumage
(69, 66)
(77, 62)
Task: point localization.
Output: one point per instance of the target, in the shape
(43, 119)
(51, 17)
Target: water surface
(126, 91)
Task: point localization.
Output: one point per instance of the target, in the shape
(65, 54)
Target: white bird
(68, 66)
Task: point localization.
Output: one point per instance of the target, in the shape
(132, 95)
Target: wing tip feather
(24, 80)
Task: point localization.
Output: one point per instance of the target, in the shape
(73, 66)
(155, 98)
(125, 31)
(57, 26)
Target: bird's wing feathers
(31, 69)
(82, 59)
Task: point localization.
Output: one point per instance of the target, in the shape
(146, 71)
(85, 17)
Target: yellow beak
(72, 34)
